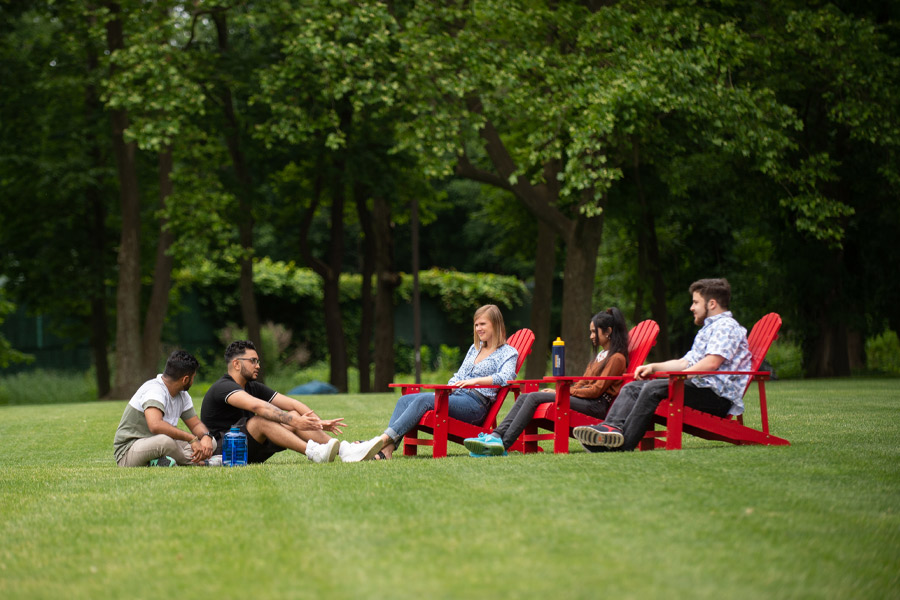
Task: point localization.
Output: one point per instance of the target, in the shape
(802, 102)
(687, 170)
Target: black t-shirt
(218, 415)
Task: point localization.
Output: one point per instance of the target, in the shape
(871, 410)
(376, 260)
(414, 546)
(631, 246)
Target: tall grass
(47, 387)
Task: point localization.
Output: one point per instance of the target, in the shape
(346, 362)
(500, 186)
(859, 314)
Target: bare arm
(710, 362)
(290, 404)
(644, 371)
(476, 381)
(200, 449)
(284, 414)
(157, 426)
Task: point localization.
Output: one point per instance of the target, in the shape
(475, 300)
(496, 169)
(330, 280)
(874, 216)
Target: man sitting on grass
(271, 421)
(720, 345)
(147, 433)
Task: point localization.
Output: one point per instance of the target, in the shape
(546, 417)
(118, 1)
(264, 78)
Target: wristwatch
(200, 437)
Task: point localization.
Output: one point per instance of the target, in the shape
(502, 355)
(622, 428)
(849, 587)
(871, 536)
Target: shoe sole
(335, 448)
(375, 449)
(589, 448)
(479, 448)
(592, 437)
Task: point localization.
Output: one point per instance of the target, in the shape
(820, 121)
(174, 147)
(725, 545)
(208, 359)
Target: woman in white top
(489, 361)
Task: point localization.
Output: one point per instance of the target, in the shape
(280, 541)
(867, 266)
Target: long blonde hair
(496, 318)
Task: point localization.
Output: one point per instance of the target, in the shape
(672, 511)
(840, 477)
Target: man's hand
(643, 371)
(305, 422)
(333, 425)
(201, 449)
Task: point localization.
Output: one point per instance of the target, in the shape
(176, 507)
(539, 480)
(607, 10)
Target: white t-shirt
(155, 394)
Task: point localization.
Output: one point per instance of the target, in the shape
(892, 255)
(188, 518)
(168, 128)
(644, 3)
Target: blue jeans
(464, 405)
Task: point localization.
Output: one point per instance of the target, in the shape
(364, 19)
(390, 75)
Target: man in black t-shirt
(271, 421)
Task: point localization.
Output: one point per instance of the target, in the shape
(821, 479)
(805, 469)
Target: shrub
(786, 359)
(883, 353)
(448, 358)
(275, 340)
(47, 387)
(405, 358)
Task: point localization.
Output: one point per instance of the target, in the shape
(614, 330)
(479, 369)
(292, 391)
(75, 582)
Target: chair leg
(409, 447)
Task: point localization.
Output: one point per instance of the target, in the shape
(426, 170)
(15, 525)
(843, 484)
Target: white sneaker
(361, 451)
(322, 453)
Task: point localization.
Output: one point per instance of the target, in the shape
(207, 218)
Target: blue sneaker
(485, 445)
(162, 461)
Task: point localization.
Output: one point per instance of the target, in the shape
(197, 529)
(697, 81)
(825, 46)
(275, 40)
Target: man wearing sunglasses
(271, 421)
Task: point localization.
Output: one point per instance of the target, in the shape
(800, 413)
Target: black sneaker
(599, 435)
(162, 461)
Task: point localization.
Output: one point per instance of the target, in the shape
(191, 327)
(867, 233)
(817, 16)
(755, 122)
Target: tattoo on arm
(279, 416)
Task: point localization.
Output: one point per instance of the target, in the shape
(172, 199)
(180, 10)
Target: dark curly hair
(179, 364)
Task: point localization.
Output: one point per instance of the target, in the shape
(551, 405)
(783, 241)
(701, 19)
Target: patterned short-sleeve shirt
(723, 336)
(499, 365)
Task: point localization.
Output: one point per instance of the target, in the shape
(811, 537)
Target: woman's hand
(467, 382)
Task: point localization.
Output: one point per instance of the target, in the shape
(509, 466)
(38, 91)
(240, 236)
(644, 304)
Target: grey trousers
(634, 408)
(143, 451)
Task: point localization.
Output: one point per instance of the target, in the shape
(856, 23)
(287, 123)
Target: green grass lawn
(818, 519)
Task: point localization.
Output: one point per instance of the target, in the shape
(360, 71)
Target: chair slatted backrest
(761, 337)
(522, 341)
(641, 339)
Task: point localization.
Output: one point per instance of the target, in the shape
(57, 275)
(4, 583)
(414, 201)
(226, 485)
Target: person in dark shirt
(271, 421)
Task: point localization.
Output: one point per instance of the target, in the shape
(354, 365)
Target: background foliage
(756, 141)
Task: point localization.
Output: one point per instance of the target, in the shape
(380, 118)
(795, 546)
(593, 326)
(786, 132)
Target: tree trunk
(387, 281)
(649, 266)
(162, 277)
(334, 326)
(363, 350)
(330, 272)
(542, 301)
(580, 233)
(830, 349)
(128, 292)
(578, 287)
(249, 310)
(99, 326)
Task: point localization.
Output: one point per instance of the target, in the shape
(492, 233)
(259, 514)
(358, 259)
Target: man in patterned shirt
(720, 345)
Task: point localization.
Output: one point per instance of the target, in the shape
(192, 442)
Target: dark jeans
(637, 401)
(523, 410)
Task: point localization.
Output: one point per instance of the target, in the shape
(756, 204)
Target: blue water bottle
(234, 448)
(559, 358)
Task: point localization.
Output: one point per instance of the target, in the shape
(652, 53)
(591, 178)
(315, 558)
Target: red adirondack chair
(676, 418)
(557, 416)
(441, 425)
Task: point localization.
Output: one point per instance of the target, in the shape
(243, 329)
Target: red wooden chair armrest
(437, 386)
(661, 374)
